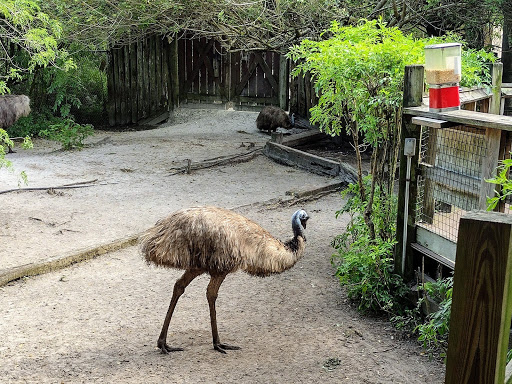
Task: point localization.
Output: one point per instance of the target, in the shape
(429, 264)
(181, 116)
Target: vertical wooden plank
(413, 96)
(482, 300)
(292, 103)
(147, 74)
(111, 105)
(133, 82)
(495, 102)
(252, 90)
(153, 76)
(301, 96)
(127, 85)
(118, 86)
(164, 83)
(194, 78)
(123, 87)
(181, 69)
(283, 82)
(276, 71)
(174, 70)
(492, 138)
(140, 80)
(309, 93)
(157, 100)
(202, 82)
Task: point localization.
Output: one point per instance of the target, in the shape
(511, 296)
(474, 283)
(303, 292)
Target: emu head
(292, 119)
(299, 221)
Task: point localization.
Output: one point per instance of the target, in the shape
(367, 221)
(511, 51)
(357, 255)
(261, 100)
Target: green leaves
(504, 182)
(36, 37)
(69, 133)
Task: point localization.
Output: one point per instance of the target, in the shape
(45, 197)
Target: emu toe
(165, 349)
(222, 348)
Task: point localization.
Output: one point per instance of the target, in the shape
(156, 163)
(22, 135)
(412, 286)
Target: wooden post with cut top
(413, 96)
(482, 300)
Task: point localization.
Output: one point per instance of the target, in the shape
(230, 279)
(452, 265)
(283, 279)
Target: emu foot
(222, 348)
(165, 349)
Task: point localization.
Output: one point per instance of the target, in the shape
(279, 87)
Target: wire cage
(450, 177)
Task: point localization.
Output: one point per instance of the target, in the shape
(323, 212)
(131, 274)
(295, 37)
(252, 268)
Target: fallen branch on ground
(216, 162)
(85, 184)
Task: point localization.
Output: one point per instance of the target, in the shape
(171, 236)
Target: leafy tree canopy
(28, 38)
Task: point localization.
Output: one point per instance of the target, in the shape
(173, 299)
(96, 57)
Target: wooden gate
(148, 78)
(255, 78)
(203, 66)
(209, 74)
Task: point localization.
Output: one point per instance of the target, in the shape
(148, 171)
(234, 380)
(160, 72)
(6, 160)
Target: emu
(270, 118)
(12, 107)
(217, 241)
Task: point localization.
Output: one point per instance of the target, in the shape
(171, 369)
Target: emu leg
(211, 295)
(179, 288)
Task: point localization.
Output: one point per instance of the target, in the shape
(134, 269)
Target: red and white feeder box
(443, 70)
(443, 97)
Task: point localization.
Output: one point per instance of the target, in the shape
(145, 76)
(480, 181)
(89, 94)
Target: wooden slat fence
(149, 77)
(139, 84)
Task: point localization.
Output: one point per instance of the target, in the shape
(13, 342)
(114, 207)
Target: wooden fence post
(413, 96)
(482, 300)
(492, 138)
(174, 71)
(283, 82)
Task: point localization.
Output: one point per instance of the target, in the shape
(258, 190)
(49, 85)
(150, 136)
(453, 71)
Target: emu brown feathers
(12, 107)
(218, 242)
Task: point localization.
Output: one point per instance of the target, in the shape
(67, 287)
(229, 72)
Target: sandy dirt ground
(98, 321)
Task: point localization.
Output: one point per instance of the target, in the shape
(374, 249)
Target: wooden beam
(283, 82)
(432, 123)
(312, 163)
(434, 256)
(303, 138)
(482, 300)
(474, 119)
(413, 96)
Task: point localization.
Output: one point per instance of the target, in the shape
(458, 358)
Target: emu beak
(304, 221)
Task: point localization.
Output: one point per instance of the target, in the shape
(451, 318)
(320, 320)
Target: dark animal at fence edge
(12, 107)
(218, 242)
(270, 118)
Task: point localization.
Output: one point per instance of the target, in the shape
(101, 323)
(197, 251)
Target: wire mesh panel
(450, 178)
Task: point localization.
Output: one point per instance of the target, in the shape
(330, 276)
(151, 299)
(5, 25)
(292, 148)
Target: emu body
(12, 107)
(217, 241)
(270, 118)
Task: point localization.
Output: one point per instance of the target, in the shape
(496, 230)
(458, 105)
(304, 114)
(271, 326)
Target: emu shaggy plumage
(12, 107)
(217, 241)
(270, 118)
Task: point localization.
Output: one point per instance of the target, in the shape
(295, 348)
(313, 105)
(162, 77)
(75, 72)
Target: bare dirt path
(98, 321)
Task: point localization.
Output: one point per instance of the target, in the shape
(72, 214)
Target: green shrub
(364, 265)
(433, 333)
(5, 143)
(32, 124)
(69, 133)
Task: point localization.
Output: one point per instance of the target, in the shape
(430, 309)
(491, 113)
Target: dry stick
(48, 188)
(210, 163)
